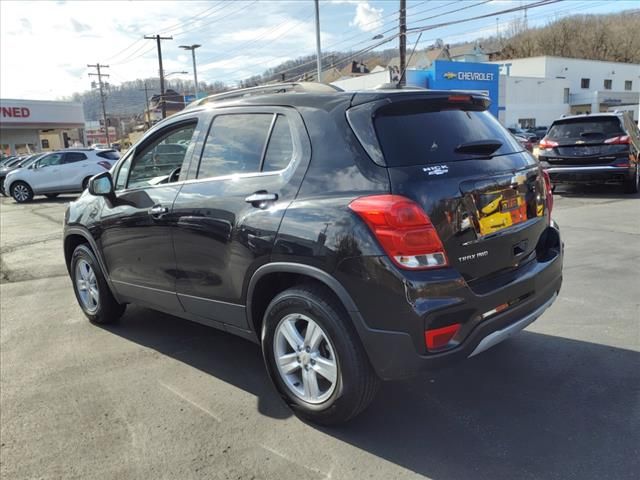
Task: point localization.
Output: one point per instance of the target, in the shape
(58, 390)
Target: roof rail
(298, 87)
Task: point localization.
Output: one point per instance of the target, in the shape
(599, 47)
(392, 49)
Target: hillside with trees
(614, 38)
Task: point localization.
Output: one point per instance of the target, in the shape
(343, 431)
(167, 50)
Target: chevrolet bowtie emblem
(450, 75)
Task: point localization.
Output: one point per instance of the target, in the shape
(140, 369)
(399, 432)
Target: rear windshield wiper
(481, 147)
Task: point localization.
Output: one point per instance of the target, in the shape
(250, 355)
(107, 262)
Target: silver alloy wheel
(21, 193)
(87, 285)
(305, 358)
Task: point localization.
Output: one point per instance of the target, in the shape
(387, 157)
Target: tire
(51, 195)
(100, 307)
(21, 192)
(354, 382)
(632, 184)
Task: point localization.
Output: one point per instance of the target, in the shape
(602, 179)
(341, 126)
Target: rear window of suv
(419, 133)
(581, 128)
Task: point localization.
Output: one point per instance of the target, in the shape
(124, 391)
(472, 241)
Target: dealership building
(28, 126)
(526, 92)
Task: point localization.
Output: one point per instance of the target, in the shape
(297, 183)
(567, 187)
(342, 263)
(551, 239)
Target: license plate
(509, 204)
(584, 151)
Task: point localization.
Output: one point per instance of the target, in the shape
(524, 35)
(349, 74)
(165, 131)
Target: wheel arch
(75, 236)
(273, 278)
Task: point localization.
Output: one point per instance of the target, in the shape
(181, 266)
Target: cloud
(367, 18)
(79, 27)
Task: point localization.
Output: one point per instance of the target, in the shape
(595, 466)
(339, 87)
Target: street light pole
(193, 56)
(318, 50)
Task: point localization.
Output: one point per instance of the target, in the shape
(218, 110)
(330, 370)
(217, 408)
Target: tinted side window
(235, 144)
(72, 157)
(280, 148)
(153, 164)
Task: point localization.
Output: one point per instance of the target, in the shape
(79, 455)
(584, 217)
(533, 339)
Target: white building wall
(597, 72)
(541, 99)
(574, 70)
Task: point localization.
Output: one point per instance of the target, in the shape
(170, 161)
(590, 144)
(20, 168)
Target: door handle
(261, 198)
(158, 211)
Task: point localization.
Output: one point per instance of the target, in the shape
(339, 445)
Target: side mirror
(101, 185)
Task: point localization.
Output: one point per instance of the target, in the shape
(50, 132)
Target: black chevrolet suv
(354, 236)
(594, 149)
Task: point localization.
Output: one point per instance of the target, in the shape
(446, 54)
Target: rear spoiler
(398, 95)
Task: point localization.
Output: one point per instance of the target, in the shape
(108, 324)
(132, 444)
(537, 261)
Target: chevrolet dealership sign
(470, 76)
(482, 78)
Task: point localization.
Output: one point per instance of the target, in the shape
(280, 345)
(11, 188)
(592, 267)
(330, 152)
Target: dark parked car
(538, 132)
(596, 148)
(355, 237)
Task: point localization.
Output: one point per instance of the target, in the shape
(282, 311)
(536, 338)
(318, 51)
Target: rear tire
(632, 184)
(326, 378)
(21, 192)
(91, 289)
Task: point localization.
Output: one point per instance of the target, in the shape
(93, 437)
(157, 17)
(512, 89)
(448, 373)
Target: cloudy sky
(46, 45)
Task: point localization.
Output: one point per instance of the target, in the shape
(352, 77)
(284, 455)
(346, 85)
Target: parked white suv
(65, 171)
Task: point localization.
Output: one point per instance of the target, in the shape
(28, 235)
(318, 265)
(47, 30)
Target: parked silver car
(65, 171)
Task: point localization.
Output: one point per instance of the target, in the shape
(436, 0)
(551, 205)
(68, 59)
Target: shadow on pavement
(535, 407)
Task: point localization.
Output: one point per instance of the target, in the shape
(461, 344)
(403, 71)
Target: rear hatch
(483, 193)
(589, 140)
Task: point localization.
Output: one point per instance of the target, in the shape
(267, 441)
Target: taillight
(620, 140)
(548, 191)
(104, 164)
(403, 229)
(544, 144)
(440, 337)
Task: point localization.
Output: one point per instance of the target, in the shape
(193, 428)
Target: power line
(165, 31)
(369, 33)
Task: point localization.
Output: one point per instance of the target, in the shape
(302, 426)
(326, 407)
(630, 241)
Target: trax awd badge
(473, 256)
(436, 170)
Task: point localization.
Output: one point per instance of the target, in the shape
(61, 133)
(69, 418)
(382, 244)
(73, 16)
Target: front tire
(314, 357)
(91, 289)
(21, 192)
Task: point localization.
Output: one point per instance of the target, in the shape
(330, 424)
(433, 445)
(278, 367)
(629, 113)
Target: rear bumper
(400, 352)
(588, 174)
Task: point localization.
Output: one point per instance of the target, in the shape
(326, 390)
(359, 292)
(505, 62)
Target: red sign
(15, 112)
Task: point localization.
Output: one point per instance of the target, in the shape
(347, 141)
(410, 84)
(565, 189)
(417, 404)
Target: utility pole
(403, 40)
(193, 56)
(157, 38)
(97, 66)
(318, 50)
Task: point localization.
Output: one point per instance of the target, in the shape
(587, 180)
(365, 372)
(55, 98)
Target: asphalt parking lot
(158, 397)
